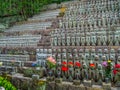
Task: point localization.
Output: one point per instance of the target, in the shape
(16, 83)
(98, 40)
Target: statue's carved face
(100, 51)
(86, 51)
(81, 51)
(59, 63)
(82, 57)
(93, 51)
(119, 51)
(84, 66)
(112, 51)
(64, 50)
(99, 67)
(59, 56)
(96, 57)
(106, 51)
(112, 58)
(104, 57)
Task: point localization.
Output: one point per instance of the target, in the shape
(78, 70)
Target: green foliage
(28, 72)
(12, 11)
(24, 7)
(51, 65)
(6, 84)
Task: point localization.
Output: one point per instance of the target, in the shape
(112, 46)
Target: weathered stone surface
(117, 84)
(76, 82)
(65, 87)
(106, 86)
(95, 88)
(87, 83)
(50, 86)
(58, 80)
(58, 86)
(78, 87)
(49, 79)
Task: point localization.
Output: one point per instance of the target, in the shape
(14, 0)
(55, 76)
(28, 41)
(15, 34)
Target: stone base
(117, 84)
(87, 83)
(49, 79)
(50, 86)
(107, 86)
(35, 77)
(58, 80)
(97, 83)
(76, 82)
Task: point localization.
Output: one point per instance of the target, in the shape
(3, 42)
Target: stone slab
(87, 83)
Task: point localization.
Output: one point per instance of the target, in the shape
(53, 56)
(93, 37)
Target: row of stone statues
(86, 41)
(69, 71)
(92, 26)
(76, 14)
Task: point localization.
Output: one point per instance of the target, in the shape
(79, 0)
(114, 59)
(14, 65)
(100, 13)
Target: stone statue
(60, 23)
(96, 60)
(58, 70)
(77, 73)
(111, 40)
(93, 40)
(104, 40)
(87, 56)
(55, 41)
(85, 72)
(91, 70)
(70, 71)
(98, 40)
(116, 40)
(100, 54)
(64, 68)
(112, 56)
(106, 53)
(104, 58)
(68, 41)
(73, 41)
(98, 75)
(59, 41)
(88, 40)
(63, 41)
(59, 58)
(78, 41)
(93, 54)
(66, 24)
(82, 41)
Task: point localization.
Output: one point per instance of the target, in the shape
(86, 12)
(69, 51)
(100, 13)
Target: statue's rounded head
(104, 58)
(84, 66)
(112, 51)
(64, 50)
(99, 50)
(112, 58)
(106, 51)
(92, 50)
(96, 57)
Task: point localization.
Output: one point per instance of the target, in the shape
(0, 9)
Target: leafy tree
(6, 84)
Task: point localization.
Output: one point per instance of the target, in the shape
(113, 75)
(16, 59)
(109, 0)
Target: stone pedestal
(50, 86)
(35, 77)
(87, 83)
(78, 87)
(106, 86)
(50, 79)
(76, 82)
(58, 80)
(117, 84)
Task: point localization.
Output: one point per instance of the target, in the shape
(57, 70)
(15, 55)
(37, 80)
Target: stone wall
(69, 86)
